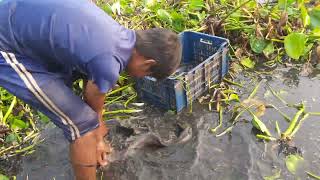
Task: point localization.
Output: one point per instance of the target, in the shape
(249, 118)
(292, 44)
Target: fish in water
(149, 141)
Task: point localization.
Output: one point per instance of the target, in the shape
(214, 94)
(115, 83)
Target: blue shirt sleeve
(104, 71)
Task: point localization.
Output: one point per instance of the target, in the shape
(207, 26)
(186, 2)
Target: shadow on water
(162, 146)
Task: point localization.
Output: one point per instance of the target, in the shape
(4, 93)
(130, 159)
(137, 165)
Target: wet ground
(190, 151)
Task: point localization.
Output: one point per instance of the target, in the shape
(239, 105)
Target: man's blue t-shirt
(72, 34)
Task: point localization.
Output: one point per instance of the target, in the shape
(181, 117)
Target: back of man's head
(163, 46)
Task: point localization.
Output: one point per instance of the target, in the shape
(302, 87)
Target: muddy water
(190, 151)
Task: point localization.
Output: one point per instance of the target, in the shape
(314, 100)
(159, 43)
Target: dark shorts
(48, 92)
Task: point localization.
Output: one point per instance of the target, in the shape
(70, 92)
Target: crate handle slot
(205, 41)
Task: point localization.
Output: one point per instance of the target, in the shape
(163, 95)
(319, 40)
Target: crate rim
(200, 33)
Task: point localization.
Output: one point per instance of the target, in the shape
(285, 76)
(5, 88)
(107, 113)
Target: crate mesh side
(201, 78)
(155, 89)
(203, 50)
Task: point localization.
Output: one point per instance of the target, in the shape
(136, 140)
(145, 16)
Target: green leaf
(276, 176)
(234, 97)
(201, 16)
(300, 3)
(257, 44)
(106, 8)
(264, 12)
(292, 162)
(43, 117)
(196, 4)
(11, 138)
(178, 21)
(305, 16)
(3, 177)
(223, 2)
(294, 44)
(269, 49)
(247, 62)
(290, 2)
(316, 32)
(251, 4)
(315, 18)
(150, 3)
(164, 16)
(284, 4)
(19, 124)
(257, 123)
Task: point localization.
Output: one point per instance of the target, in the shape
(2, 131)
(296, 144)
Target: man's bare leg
(87, 152)
(83, 156)
(90, 150)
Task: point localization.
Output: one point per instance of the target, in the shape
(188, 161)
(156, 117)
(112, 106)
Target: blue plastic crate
(204, 62)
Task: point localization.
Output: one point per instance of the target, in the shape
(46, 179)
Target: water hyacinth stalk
(225, 131)
(313, 175)
(232, 82)
(277, 96)
(314, 113)
(220, 120)
(115, 99)
(297, 127)
(286, 117)
(13, 103)
(235, 120)
(188, 91)
(264, 137)
(293, 123)
(255, 90)
(130, 99)
(119, 90)
(241, 112)
(123, 111)
(278, 129)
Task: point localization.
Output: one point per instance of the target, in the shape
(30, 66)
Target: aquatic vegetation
(3, 177)
(293, 123)
(266, 33)
(292, 162)
(19, 133)
(220, 120)
(276, 176)
(313, 175)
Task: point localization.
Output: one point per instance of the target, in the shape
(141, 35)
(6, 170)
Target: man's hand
(103, 150)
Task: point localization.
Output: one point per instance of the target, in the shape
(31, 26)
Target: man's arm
(95, 99)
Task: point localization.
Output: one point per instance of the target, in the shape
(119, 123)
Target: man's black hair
(163, 46)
